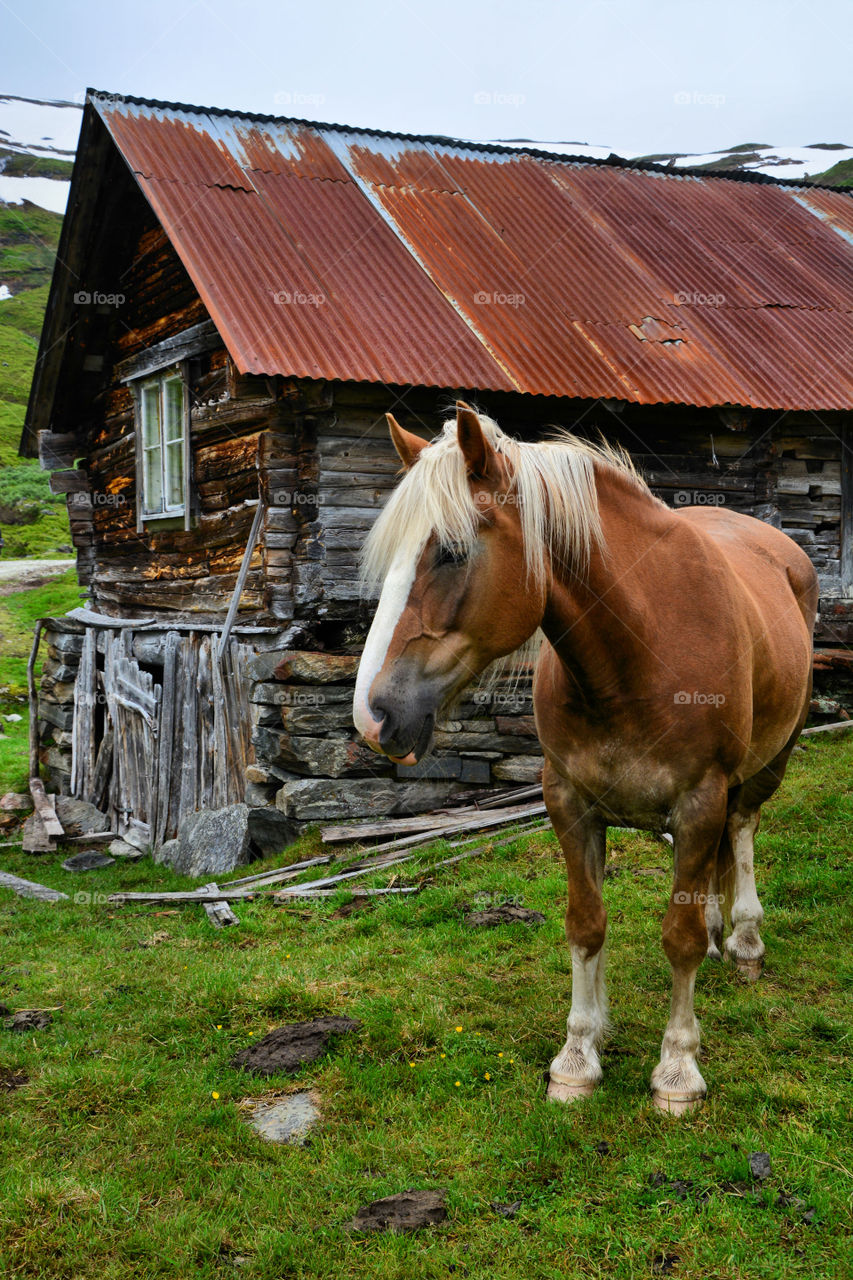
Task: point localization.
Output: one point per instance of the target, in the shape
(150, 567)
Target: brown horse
(672, 684)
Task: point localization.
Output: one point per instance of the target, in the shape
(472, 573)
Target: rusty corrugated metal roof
(326, 252)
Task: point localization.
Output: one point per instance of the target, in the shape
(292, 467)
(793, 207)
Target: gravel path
(24, 573)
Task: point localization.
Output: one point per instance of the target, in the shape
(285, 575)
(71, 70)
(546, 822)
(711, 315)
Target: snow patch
(40, 128)
(48, 193)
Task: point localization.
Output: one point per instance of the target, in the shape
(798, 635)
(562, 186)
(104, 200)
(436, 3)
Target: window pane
(173, 402)
(175, 474)
(152, 479)
(150, 399)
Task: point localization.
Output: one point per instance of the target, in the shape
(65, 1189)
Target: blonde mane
(552, 482)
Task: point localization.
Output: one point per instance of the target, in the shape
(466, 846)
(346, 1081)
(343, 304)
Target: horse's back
(762, 558)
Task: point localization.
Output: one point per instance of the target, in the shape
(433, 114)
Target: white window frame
(145, 511)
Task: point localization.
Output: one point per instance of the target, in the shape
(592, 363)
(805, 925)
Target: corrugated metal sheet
(323, 252)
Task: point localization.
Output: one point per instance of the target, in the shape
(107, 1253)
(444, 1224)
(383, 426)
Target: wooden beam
(56, 452)
(191, 342)
(218, 913)
(74, 481)
(837, 726)
(845, 532)
(241, 579)
(44, 808)
(34, 702)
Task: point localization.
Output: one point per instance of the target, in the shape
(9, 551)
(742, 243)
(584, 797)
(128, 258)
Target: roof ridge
(612, 161)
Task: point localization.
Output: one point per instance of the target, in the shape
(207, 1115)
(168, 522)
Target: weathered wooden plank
(166, 737)
(34, 837)
(83, 740)
(284, 873)
(220, 734)
(218, 913)
(58, 452)
(92, 619)
(73, 481)
(44, 808)
(205, 724)
(189, 722)
(838, 726)
(241, 578)
(101, 774)
(29, 889)
(190, 342)
(33, 702)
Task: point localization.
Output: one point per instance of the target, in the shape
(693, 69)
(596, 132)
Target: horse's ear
(475, 447)
(407, 444)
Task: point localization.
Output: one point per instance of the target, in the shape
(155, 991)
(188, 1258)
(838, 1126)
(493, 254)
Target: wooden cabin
(237, 302)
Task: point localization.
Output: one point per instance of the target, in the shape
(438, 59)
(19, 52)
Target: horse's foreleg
(698, 824)
(576, 1070)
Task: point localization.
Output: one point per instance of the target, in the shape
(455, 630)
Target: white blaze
(395, 593)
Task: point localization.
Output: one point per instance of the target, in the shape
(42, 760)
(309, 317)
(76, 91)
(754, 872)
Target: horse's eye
(449, 555)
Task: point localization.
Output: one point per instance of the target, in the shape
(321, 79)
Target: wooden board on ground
(29, 889)
(218, 913)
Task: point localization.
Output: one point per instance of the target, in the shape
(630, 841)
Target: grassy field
(18, 613)
(125, 1154)
(33, 522)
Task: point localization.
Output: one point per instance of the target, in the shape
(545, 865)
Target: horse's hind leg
(576, 1070)
(743, 945)
(713, 907)
(697, 827)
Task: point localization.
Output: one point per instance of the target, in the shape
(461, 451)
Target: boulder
(270, 831)
(78, 817)
(210, 842)
(214, 841)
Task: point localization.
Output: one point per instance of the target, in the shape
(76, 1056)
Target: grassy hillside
(32, 521)
(840, 175)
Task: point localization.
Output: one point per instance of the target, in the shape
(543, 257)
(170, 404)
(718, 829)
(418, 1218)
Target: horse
(673, 680)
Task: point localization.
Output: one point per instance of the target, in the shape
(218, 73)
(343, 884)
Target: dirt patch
(351, 908)
(290, 1046)
(407, 1211)
(506, 913)
(29, 1020)
(11, 1080)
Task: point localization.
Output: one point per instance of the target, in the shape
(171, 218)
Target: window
(161, 410)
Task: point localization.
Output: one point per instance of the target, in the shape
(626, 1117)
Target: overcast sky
(686, 75)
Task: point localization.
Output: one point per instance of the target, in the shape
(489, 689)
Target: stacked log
(63, 639)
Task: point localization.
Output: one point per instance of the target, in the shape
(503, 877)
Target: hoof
(714, 953)
(676, 1104)
(564, 1091)
(750, 970)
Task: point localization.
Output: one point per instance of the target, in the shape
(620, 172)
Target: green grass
(19, 165)
(28, 240)
(18, 614)
(839, 175)
(120, 1163)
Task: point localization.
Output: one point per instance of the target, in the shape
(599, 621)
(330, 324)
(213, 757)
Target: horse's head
(457, 591)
